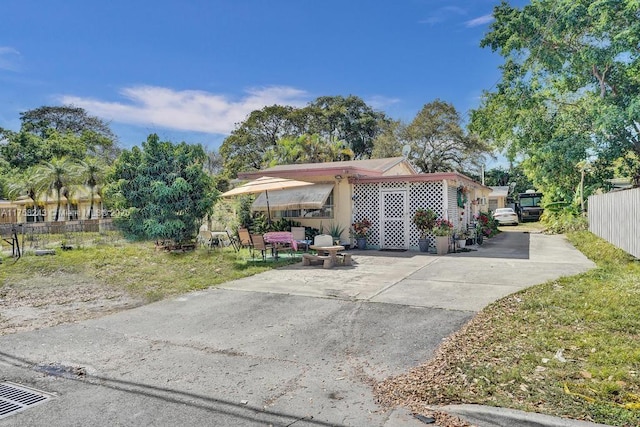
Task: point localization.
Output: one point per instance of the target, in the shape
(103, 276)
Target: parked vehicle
(529, 206)
(506, 216)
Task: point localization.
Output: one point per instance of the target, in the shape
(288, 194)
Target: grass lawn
(570, 348)
(135, 267)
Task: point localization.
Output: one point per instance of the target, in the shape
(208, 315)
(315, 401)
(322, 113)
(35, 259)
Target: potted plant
(334, 230)
(461, 235)
(442, 230)
(360, 230)
(425, 220)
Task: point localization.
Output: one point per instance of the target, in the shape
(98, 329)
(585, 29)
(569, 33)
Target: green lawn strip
(569, 348)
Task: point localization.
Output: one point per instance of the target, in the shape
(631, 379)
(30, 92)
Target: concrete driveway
(295, 346)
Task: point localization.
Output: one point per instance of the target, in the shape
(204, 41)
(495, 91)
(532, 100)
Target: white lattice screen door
(393, 230)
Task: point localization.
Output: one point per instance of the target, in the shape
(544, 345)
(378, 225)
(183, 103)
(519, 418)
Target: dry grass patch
(104, 274)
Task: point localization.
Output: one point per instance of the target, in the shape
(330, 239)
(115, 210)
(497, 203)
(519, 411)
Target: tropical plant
(91, 173)
(55, 175)
(335, 230)
(26, 184)
(425, 220)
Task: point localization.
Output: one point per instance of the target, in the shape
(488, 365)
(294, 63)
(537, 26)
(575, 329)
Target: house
(76, 207)
(385, 191)
(498, 197)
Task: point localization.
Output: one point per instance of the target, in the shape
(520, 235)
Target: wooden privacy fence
(615, 217)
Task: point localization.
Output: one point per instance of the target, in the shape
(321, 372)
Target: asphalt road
(295, 346)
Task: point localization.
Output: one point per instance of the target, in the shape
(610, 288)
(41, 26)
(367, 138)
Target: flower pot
(423, 244)
(461, 243)
(442, 245)
(361, 242)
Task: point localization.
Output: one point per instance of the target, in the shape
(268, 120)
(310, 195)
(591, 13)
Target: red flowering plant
(443, 227)
(361, 228)
(425, 220)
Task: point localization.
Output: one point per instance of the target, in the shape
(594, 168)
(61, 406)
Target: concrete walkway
(294, 346)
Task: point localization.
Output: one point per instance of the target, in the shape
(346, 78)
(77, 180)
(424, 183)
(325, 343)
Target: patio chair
(300, 237)
(323, 240)
(233, 241)
(244, 239)
(260, 245)
(205, 238)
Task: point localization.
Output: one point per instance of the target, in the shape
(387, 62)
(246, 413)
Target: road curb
(490, 416)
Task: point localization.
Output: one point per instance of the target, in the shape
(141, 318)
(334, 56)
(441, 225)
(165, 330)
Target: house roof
(499, 191)
(423, 177)
(367, 167)
(360, 171)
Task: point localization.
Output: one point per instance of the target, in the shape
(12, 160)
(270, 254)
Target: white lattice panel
(393, 219)
(367, 204)
(426, 195)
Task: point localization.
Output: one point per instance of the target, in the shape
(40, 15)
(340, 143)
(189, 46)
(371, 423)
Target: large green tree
(570, 88)
(335, 119)
(63, 119)
(390, 141)
(248, 144)
(160, 191)
(439, 143)
(348, 119)
(49, 132)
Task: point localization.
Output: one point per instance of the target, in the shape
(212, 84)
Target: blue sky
(190, 70)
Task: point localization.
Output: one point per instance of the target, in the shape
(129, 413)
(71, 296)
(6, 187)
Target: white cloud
(442, 14)
(380, 102)
(481, 20)
(187, 110)
(8, 58)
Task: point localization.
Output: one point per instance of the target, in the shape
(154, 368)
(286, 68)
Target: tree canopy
(569, 92)
(55, 132)
(335, 120)
(439, 143)
(160, 191)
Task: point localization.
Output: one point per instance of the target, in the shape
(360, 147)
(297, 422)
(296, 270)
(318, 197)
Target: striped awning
(310, 197)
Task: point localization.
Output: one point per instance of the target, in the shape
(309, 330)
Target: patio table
(332, 251)
(280, 237)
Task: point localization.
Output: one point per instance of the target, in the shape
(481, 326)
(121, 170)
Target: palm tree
(55, 175)
(26, 184)
(91, 172)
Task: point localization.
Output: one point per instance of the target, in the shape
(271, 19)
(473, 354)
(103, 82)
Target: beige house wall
(341, 206)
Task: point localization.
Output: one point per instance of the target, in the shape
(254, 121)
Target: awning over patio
(310, 197)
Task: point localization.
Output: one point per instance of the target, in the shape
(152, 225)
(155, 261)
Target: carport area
(298, 346)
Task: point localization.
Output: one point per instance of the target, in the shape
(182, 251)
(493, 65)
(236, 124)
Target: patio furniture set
(277, 242)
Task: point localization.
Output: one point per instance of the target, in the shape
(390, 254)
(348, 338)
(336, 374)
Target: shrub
(564, 220)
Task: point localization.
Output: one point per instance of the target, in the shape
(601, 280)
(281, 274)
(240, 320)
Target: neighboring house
(498, 197)
(8, 212)
(385, 191)
(76, 207)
